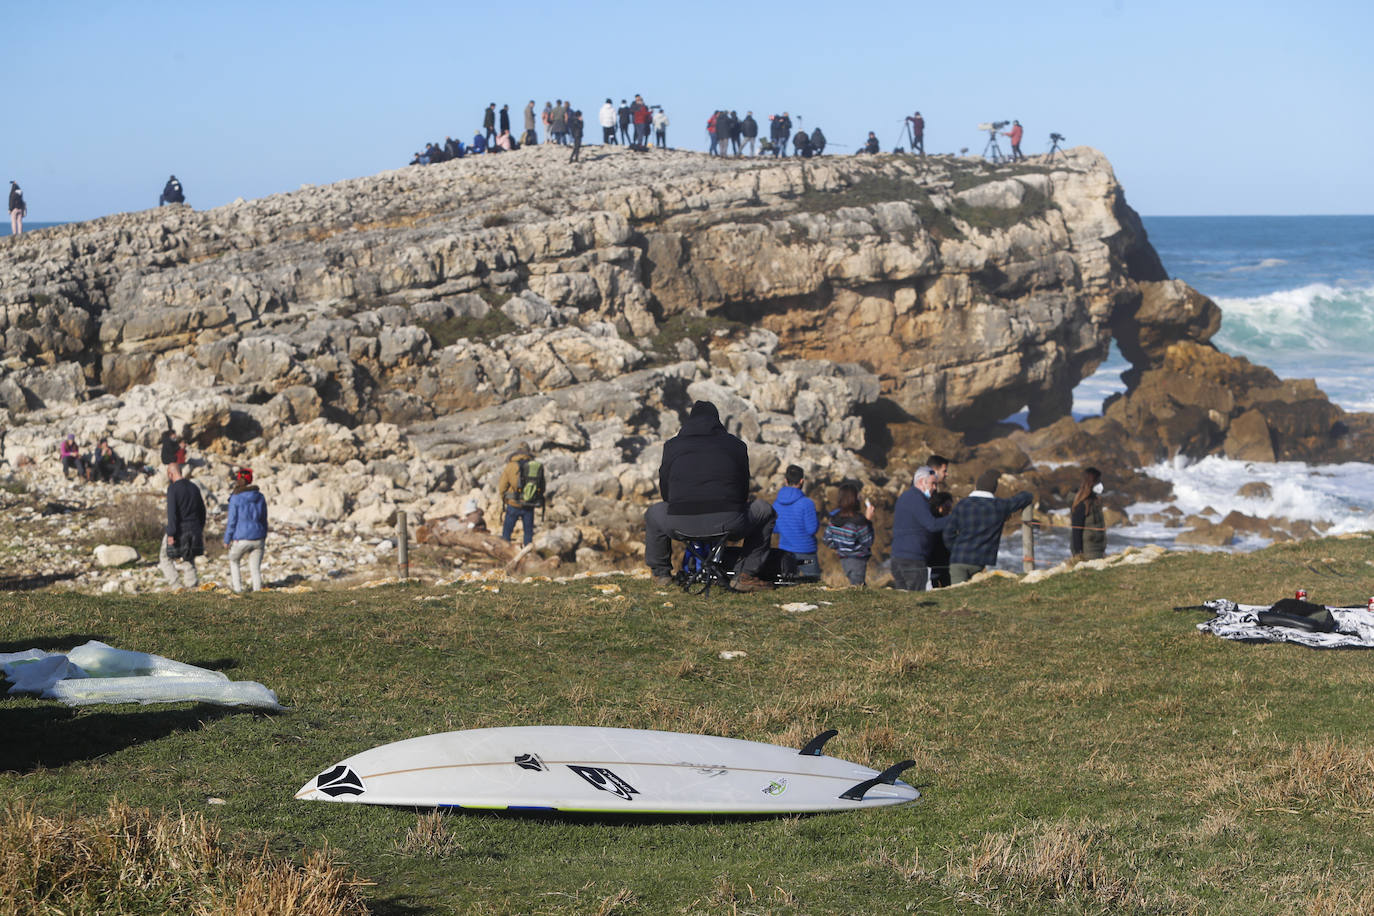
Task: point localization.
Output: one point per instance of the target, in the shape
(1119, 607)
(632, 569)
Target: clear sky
(1203, 106)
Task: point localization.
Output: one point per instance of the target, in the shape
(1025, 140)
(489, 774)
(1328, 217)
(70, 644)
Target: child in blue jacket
(796, 526)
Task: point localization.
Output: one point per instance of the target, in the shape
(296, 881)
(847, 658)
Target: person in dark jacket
(749, 131)
(941, 505)
(172, 193)
(784, 131)
(246, 530)
(817, 142)
(801, 145)
(914, 529)
(18, 209)
(172, 450)
(503, 120)
(479, 143)
(489, 124)
(185, 531)
(974, 530)
(871, 145)
(736, 131)
(704, 482)
(796, 526)
(623, 114)
(1088, 534)
(575, 128)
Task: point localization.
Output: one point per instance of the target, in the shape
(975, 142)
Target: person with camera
(1015, 135)
(185, 532)
(918, 133)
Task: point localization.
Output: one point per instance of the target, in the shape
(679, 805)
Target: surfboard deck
(578, 769)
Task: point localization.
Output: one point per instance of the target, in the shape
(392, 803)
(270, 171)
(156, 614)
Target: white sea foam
(1262, 265)
(1341, 495)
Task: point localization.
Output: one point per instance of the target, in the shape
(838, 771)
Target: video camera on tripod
(992, 152)
(1057, 137)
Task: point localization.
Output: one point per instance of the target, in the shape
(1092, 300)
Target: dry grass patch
(130, 860)
(429, 837)
(1326, 772)
(1059, 863)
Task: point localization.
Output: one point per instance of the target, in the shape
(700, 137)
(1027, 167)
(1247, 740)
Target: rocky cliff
(381, 342)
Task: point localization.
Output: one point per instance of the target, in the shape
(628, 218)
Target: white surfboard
(607, 770)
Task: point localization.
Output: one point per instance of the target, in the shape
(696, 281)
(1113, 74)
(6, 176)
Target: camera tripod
(992, 152)
(1054, 145)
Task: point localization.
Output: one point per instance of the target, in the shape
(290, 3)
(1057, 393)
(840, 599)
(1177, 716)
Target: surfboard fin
(813, 747)
(886, 777)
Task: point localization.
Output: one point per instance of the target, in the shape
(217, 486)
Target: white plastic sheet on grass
(97, 673)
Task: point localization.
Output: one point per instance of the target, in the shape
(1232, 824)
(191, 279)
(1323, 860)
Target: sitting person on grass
(975, 527)
(850, 533)
(704, 482)
(796, 527)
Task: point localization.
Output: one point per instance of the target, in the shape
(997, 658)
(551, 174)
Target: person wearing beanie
(703, 481)
(974, 529)
(245, 531)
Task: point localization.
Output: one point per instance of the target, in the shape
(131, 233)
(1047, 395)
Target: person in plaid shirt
(975, 527)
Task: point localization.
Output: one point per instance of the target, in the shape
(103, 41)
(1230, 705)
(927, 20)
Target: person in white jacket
(606, 118)
(660, 129)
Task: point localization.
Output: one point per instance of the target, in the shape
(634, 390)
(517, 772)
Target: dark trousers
(909, 575)
(526, 516)
(577, 148)
(754, 526)
(608, 136)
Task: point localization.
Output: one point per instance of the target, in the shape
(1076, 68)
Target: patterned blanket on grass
(1354, 626)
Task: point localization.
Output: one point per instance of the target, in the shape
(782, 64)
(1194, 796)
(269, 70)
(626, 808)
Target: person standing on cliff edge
(1015, 134)
(575, 128)
(918, 133)
(18, 209)
(489, 124)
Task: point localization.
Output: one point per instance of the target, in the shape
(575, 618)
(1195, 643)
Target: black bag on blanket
(1300, 615)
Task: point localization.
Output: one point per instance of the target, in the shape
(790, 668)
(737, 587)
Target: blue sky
(1204, 107)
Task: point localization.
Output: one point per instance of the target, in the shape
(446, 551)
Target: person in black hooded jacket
(704, 482)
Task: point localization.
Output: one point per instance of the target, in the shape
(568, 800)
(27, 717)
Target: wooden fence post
(402, 545)
(1028, 538)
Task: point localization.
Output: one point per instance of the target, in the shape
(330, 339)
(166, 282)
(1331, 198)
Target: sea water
(1297, 295)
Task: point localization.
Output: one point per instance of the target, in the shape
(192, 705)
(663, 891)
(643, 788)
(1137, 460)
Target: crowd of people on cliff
(632, 124)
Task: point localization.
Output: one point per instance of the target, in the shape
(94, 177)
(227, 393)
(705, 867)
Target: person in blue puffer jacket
(246, 530)
(796, 527)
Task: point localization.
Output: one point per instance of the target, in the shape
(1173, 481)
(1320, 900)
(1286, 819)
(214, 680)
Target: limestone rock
(107, 555)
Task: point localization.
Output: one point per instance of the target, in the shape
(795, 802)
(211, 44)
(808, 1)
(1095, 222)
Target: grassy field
(1080, 746)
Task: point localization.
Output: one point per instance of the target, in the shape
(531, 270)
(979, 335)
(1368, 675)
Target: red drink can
(1301, 594)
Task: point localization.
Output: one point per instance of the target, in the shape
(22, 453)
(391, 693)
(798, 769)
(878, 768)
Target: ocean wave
(1317, 318)
(1340, 495)
(1262, 265)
